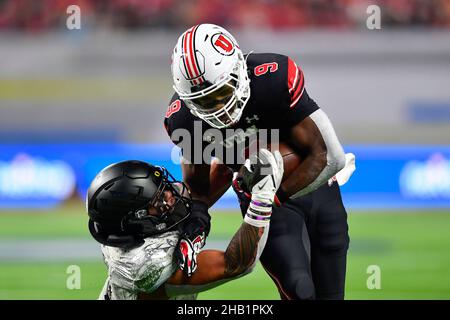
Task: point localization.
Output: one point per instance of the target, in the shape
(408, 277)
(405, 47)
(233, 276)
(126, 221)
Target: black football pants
(306, 250)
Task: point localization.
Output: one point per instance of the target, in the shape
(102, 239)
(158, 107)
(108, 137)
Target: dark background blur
(41, 16)
(106, 81)
(109, 82)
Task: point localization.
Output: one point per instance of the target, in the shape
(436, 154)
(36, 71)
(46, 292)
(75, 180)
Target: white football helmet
(210, 74)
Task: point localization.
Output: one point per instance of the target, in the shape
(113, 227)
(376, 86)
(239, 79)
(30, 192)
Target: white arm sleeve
(344, 175)
(335, 153)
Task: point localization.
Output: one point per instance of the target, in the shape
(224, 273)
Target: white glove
(263, 177)
(344, 175)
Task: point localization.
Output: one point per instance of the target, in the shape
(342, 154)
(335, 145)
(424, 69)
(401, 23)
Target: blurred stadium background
(73, 101)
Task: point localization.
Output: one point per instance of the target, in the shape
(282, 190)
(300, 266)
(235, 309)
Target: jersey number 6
(263, 68)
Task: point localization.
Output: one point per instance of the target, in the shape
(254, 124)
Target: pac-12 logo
(223, 44)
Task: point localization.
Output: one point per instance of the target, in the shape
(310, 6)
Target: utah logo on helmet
(210, 74)
(222, 44)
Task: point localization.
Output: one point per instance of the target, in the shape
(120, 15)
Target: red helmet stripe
(183, 56)
(192, 53)
(185, 53)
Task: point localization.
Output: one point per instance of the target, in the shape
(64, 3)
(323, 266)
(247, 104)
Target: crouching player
(136, 211)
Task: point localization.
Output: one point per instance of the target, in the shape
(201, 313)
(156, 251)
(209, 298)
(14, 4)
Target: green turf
(48, 280)
(412, 250)
(71, 222)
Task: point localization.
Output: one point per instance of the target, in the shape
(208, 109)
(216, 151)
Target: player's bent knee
(299, 285)
(333, 234)
(336, 244)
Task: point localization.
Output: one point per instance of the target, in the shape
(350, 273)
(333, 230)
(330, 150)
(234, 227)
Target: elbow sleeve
(335, 152)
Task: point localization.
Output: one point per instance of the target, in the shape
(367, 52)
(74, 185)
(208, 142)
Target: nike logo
(260, 187)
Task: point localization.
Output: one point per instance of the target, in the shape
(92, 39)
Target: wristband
(260, 207)
(258, 214)
(257, 220)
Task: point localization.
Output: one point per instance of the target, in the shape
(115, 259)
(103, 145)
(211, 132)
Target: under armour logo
(209, 139)
(249, 120)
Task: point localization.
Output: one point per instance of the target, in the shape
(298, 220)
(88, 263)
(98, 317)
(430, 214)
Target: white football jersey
(142, 269)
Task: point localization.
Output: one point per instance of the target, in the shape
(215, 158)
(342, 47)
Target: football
(291, 158)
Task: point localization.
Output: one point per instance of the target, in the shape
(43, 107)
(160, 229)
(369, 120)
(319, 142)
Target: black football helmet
(120, 196)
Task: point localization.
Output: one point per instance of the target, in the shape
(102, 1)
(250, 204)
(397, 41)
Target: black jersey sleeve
(172, 123)
(174, 107)
(300, 104)
(185, 130)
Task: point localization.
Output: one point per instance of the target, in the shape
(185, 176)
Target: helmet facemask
(166, 216)
(228, 111)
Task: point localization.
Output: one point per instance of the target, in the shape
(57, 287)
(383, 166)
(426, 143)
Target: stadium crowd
(35, 16)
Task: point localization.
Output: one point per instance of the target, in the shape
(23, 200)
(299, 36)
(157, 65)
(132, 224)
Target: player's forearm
(207, 183)
(248, 243)
(244, 249)
(217, 267)
(325, 157)
(220, 180)
(196, 177)
(216, 193)
(305, 174)
(310, 177)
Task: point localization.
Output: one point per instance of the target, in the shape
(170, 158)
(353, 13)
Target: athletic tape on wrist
(258, 216)
(256, 222)
(259, 208)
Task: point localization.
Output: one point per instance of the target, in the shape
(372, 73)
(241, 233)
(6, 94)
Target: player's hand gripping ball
(262, 175)
(291, 160)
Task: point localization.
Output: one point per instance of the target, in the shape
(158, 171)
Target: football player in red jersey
(219, 88)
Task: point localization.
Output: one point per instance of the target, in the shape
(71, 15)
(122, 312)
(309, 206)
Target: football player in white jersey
(136, 211)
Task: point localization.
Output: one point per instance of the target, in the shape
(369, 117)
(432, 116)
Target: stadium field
(410, 247)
